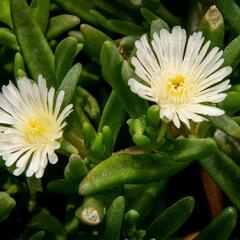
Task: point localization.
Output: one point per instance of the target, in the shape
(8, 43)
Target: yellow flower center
(175, 85)
(34, 130)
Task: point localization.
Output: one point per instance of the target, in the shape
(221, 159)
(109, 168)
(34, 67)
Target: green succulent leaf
(5, 15)
(40, 10)
(231, 53)
(114, 9)
(144, 168)
(171, 219)
(93, 40)
(124, 27)
(7, 204)
(226, 173)
(45, 221)
(114, 219)
(34, 47)
(111, 62)
(148, 15)
(76, 169)
(69, 83)
(231, 13)
(113, 115)
(87, 102)
(186, 149)
(60, 24)
(126, 168)
(92, 211)
(143, 197)
(231, 103)
(88, 78)
(158, 25)
(62, 186)
(18, 64)
(79, 8)
(215, 230)
(8, 39)
(64, 56)
(99, 17)
(89, 134)
(37, 236)
(227, 125)
(212, 26)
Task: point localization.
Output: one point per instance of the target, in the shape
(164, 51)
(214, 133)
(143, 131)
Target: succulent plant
(150, 149)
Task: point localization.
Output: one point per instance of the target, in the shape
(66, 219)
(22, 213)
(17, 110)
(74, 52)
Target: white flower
(31, 124)
(179, 75)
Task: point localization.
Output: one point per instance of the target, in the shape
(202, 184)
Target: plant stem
(162, 132)
(77, 142)
(213, 194)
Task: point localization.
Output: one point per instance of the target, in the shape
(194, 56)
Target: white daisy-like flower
(31, 122)
(180, 75)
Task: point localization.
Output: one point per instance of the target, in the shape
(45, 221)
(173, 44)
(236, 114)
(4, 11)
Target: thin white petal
(39, 173)
(59, 101)
(140, 89)
(205, 110)
(176, 121)
(53, 158)
(50, 99)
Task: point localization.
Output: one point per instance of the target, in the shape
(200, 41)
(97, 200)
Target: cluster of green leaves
(117, 158)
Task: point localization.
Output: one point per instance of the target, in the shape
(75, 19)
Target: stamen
(34, 130)
(176, 86)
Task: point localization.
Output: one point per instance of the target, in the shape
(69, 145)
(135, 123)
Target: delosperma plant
(119, 120)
